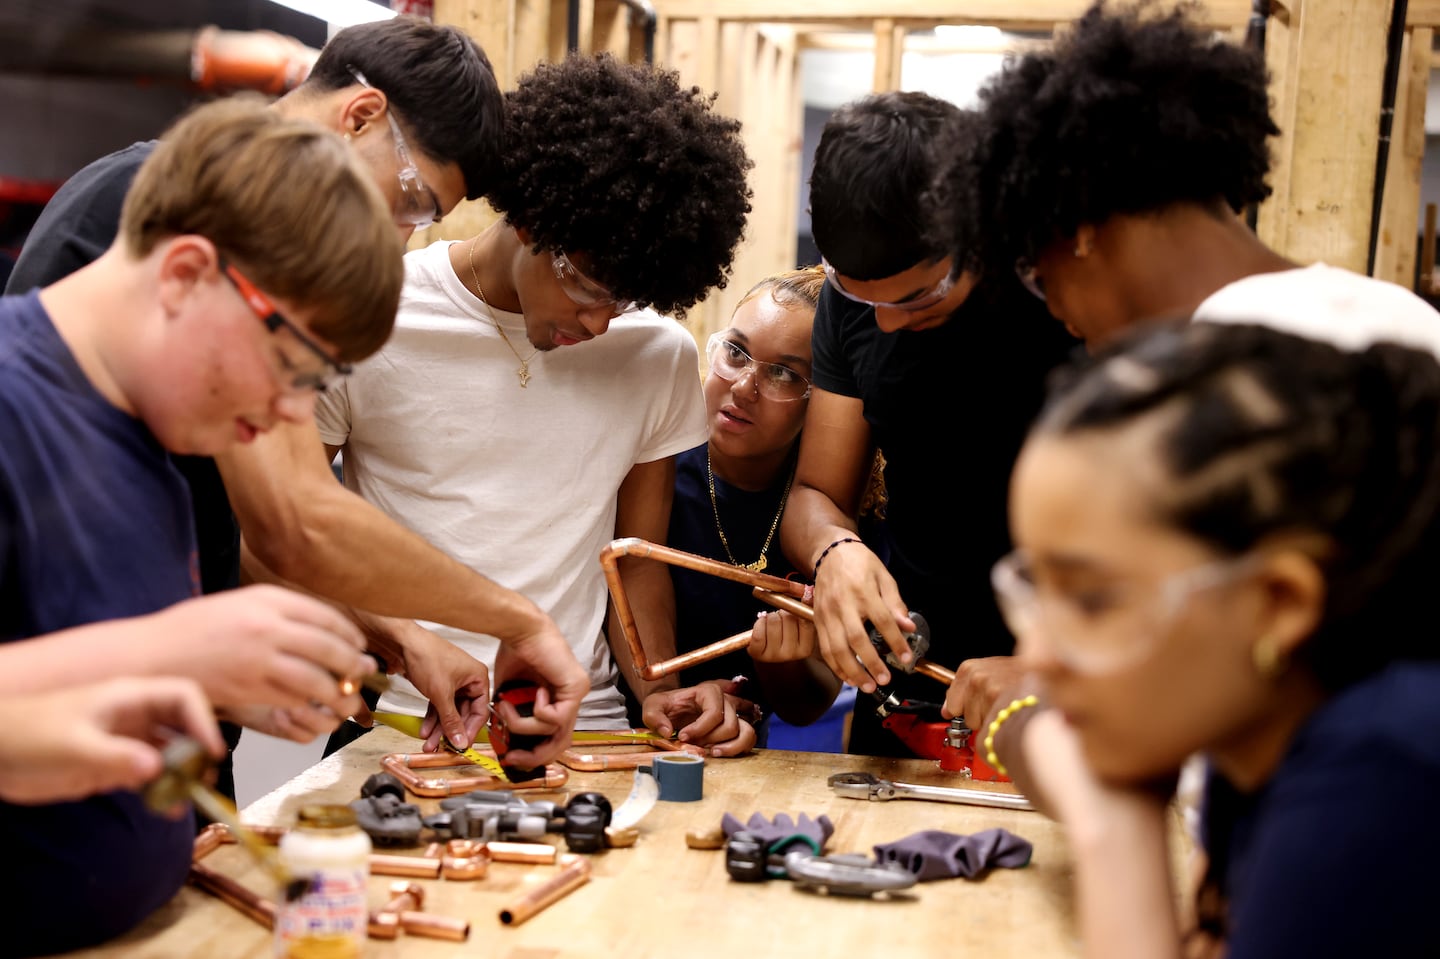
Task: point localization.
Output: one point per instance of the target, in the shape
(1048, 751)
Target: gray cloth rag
(782, 827)
(934, 854)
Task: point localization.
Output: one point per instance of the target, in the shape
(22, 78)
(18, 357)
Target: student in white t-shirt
(499, 423)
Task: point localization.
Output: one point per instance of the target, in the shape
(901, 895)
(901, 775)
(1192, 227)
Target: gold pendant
(759, 565)
(524, 374)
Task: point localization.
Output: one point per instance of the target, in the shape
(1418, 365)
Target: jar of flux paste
(330, 919)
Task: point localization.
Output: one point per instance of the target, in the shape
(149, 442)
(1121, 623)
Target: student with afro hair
(1111, 175)
(532, 401)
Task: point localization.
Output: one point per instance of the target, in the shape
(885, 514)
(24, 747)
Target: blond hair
(790, 288)
(289, 203)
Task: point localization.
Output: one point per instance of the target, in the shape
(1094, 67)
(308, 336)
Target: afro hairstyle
(619, 162)
(1128, 112)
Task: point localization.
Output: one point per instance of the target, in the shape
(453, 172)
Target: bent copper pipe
(574, 873)
(599, 762)
(403, 766)
(209, 839)
(233, 894)
(644, 549)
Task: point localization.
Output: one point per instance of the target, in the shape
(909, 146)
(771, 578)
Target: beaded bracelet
(1015, 706)
(826, 552)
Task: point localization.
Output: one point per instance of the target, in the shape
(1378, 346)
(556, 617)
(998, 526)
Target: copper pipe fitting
(434, 926)
(211, 838)
(465, 868)
(383, 925)
(533, 853)
(416, 866)
(233, 894)
(434, 851)
(643, 549)
(463, 848)
(404, 897)
(403, 766)
(574, 873)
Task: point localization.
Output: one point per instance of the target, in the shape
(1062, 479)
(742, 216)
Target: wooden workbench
(662, 900)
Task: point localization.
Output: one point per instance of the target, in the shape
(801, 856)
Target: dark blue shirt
(94, 525)
(1338, 854)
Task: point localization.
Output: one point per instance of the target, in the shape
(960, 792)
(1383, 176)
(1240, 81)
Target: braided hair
(1262, 432)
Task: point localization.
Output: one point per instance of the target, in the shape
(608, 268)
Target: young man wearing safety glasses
(255, 260)
(917, 355)
(420, 105)
(530, 405)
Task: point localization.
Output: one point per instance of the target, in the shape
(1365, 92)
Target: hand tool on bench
(861, 785)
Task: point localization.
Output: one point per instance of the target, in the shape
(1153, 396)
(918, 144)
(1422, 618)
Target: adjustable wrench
(866, 786)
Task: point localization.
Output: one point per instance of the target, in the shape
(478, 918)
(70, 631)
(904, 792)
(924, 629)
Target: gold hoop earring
(1268, 659)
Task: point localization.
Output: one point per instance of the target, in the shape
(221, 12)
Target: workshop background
(81, 78)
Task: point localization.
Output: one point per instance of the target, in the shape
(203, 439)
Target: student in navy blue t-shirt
(255, 259)
(1227, 544)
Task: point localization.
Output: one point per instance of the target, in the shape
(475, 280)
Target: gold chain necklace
(759, 565)
(524, 371)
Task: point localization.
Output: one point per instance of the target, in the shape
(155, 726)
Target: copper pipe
(787, 603)
(434, 926)
(533, 853)
(403, 765)
(417, 866)
(934, 670)
(270, 834)
(574, 873)
(643, 549)
(232, 893)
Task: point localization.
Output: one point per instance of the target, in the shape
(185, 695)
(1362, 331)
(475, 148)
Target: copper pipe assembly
(574, 873)
(781, 593)
(599, 762)
(643, 549)
(403, 766)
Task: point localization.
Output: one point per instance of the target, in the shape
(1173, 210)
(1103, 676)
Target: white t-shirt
(518, 484)
(1329, 304)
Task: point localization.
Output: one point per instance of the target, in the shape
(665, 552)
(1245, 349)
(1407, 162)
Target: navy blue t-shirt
(708, 608)
(1338, 854)
(94, 525)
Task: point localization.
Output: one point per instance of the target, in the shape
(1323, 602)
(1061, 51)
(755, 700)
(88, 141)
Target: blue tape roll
(681, 776)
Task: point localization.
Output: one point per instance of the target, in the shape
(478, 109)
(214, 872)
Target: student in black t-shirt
(942, 368)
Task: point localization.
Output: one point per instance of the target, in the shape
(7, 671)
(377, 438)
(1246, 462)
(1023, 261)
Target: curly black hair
(876, 157)
(617, 161)
(1262, 432)
(1128, 112)
(439, 81)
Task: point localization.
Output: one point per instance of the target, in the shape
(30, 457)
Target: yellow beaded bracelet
(1015, 706)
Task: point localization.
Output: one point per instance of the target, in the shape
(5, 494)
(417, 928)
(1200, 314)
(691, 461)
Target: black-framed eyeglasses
(919, 301)
(585, 291)
(418, 206)
(263, 308)
(1030, 277)
(729, 361)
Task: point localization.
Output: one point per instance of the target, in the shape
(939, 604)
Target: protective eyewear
(330, 370)
(775, 382)
(912, 304)
(417, 205)
(585, 291)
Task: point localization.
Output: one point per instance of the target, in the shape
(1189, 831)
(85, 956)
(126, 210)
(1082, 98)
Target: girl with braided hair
(1255, 586)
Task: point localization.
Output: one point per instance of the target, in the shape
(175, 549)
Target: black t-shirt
(949, 408)
(75, 228)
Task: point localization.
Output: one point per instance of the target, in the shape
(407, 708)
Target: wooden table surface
(662, 900)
